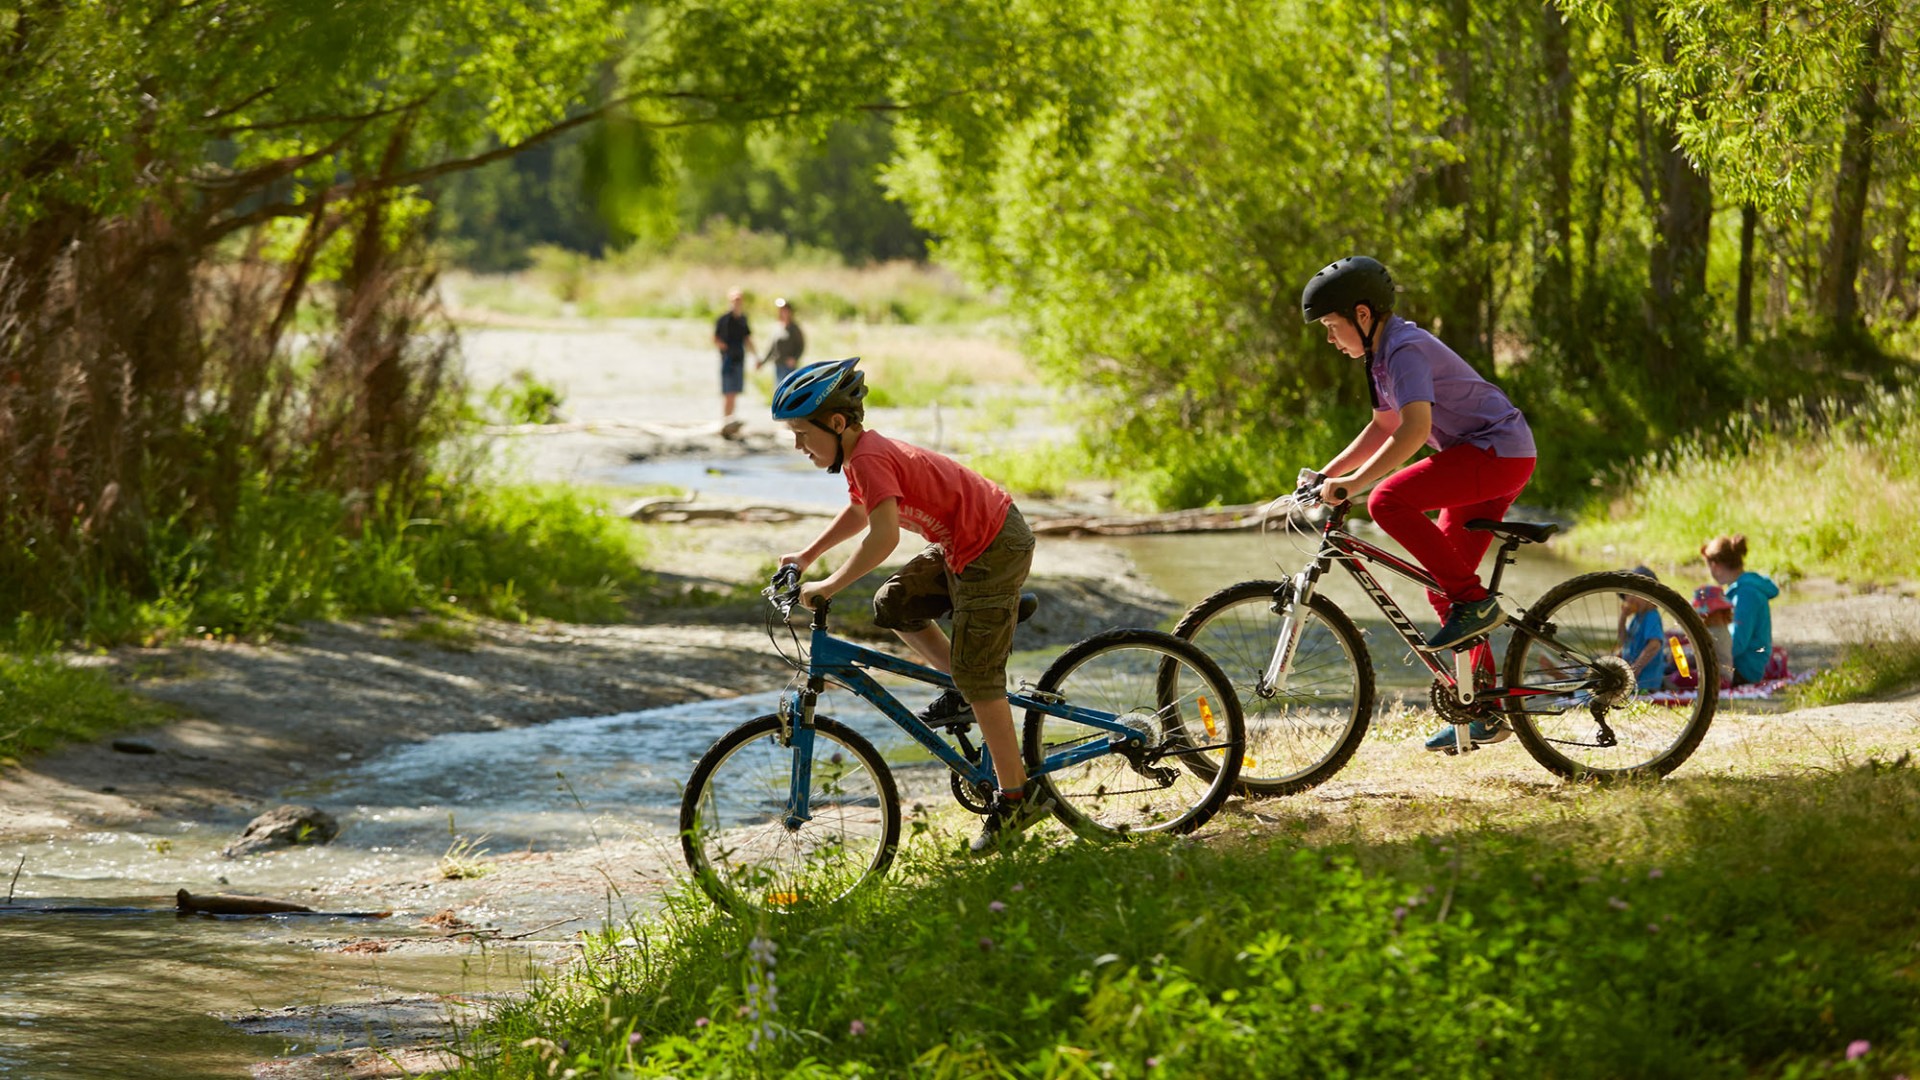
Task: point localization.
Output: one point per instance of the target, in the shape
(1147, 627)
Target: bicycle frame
(1338, 545)
(832, 659)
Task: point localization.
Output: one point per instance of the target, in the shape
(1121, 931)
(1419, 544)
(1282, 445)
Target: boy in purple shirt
(1424, 394)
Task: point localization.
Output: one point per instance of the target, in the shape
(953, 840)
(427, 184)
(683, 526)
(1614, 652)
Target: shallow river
(132, 995)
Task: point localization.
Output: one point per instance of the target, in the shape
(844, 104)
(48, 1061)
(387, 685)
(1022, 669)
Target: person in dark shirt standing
(734, 338)
(788, 345)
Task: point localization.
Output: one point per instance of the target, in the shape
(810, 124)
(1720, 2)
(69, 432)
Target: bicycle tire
(1660, 732)
(857, 832)
(1113, 796)
(1290, 748)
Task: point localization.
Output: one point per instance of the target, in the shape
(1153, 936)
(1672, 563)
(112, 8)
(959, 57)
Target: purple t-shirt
(1412, 365)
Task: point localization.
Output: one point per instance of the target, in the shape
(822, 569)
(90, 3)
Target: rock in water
(285, 826)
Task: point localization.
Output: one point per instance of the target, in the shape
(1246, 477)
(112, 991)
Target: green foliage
(1886, 662)
(1818, 487)
(504, 552)
(1714, 928)
(525, 399)
(47, 699)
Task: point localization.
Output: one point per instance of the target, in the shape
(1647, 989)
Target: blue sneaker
(1482, 732)
(1466, 621)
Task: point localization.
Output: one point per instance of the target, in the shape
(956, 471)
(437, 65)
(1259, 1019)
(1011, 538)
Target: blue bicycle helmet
(828, 386)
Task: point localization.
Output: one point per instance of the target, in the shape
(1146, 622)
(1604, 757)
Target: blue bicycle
(1130, 731)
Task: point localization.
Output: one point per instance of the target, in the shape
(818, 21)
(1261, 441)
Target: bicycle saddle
(1520, 532)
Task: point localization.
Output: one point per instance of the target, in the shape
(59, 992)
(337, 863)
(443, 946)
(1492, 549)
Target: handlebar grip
(1340, 493)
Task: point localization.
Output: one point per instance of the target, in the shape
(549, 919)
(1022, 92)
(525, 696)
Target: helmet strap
(839, 445)
(1366, 350)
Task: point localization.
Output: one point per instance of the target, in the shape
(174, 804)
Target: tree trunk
(1743, 300)
(1553, 287)
(1677, 264)
(1461, 292)
(1837, 295)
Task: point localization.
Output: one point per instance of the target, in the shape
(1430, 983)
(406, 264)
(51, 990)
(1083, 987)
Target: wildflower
(1399, 914)
(702, 1022)
(996, 907)
(1019, 887)
(634, 1040)
(1315, 1007)
(1153, 1063)
(986, 944)
(1653, 928)
(1656, 873)
(1857, 1049)
(1617, 904)
(856, 1029)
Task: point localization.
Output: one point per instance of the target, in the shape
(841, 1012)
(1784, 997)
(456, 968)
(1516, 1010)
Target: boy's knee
(896, 606)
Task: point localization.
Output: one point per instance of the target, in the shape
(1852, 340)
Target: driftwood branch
(1204, 519)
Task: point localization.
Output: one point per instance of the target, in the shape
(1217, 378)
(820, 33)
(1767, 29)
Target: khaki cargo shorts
(984, 599)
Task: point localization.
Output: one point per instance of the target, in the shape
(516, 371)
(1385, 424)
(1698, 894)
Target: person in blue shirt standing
(1751, 595)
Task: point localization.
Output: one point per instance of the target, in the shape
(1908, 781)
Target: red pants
(1463, 482)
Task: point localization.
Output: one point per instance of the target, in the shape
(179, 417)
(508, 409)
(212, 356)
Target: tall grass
(1819, 487)
(1709, 928)
(46, 699)
(509, 552)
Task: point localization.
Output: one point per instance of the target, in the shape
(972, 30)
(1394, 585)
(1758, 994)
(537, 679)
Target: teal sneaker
(1466, 621)
(1482, 732)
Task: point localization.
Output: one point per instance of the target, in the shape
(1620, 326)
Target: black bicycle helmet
(1345, 284)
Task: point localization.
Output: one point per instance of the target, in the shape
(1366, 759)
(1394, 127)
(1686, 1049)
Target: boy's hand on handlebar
(811, 592)
(1333, 490)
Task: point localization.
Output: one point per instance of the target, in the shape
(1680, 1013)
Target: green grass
(1820, 488)
(504, 551)
(1885, 661)
(45, 700)
(1713, 927)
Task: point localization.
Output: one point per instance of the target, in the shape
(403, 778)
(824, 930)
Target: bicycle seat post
(1501, 561)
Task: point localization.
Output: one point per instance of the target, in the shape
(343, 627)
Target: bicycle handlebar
(783, 592)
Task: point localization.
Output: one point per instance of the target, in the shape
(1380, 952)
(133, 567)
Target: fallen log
(670, 510)
(1204, 519)
(226, 904)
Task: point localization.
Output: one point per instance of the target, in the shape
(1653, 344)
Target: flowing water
(133, 995)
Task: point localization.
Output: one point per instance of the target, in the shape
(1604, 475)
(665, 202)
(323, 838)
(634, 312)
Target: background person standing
(788, 344)
(733, 337)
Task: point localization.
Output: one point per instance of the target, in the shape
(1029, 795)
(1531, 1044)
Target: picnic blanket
(1762, 689)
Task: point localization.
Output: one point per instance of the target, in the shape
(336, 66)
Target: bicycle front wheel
(1581, 708)
(1301, 733)
(1147, 785)
(739, 835)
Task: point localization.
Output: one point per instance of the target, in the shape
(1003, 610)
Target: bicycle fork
(796, 720)
(1288, 599)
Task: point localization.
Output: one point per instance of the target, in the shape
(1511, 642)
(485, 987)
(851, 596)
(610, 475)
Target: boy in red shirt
(979, 555)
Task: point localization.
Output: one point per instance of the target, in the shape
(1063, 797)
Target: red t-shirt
(939, 498)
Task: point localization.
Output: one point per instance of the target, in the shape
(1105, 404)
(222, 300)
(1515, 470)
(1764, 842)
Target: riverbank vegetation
(1704, 927)
(1827, 487)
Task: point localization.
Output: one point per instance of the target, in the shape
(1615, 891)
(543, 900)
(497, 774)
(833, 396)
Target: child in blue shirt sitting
(1750, 593)
(1643, 638)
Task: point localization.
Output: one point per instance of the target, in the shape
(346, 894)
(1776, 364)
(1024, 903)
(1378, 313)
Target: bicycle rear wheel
(1301, 734)
(1139, 787)
(734, 828)
(1581, 710)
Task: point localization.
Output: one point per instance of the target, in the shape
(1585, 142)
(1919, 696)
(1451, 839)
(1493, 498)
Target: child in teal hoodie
(1750, 592)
